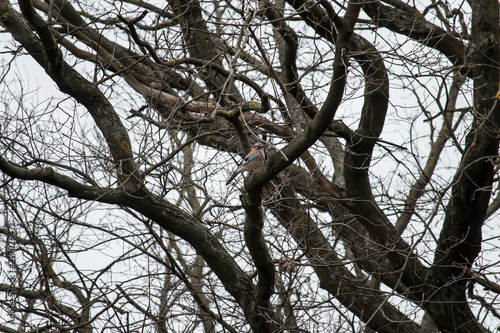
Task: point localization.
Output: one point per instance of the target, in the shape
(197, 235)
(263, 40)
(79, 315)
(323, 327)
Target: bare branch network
(369, 204)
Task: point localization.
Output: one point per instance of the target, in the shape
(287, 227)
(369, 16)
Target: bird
(254, 159)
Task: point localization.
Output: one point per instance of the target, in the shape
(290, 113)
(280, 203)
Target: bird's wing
(248, 159)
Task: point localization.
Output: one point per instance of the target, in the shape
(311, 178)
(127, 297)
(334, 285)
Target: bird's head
(258, 146)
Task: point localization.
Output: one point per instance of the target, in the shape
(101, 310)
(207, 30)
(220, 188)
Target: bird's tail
(232, 177)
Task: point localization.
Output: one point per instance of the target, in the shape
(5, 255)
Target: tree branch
(414, 25)
(167, 216)
(364, 302)
(72, 83)
(322, 120)
(417, 189)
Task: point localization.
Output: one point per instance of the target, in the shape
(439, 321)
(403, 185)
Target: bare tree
(372, 212)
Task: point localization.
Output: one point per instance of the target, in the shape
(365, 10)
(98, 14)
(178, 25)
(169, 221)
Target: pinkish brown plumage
(254, 159)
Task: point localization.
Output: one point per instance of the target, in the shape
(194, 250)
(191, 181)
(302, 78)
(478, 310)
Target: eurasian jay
(252, 161)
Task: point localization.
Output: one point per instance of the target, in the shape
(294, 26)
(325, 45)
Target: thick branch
(254, 240)
(368, 304)
(46, 297)
(460, 239)
(414, 25)
(200, 43)
(322, 120)
(166, 215)
(72, 83)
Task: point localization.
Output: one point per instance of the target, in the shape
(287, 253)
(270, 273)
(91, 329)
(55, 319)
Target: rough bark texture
(209, 93)
(460, 238)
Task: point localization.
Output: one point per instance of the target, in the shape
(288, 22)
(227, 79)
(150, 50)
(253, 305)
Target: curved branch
(322, 120)
(71, 82)
(461, 236)
(362, 141)
(256, 244)
(366, 303)
(201, 45)
(204, 63)
(288, 57)
(166, 215)
(7, 329)
(46, 297)
(417, 189)
(414, 25)
(73, 24)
